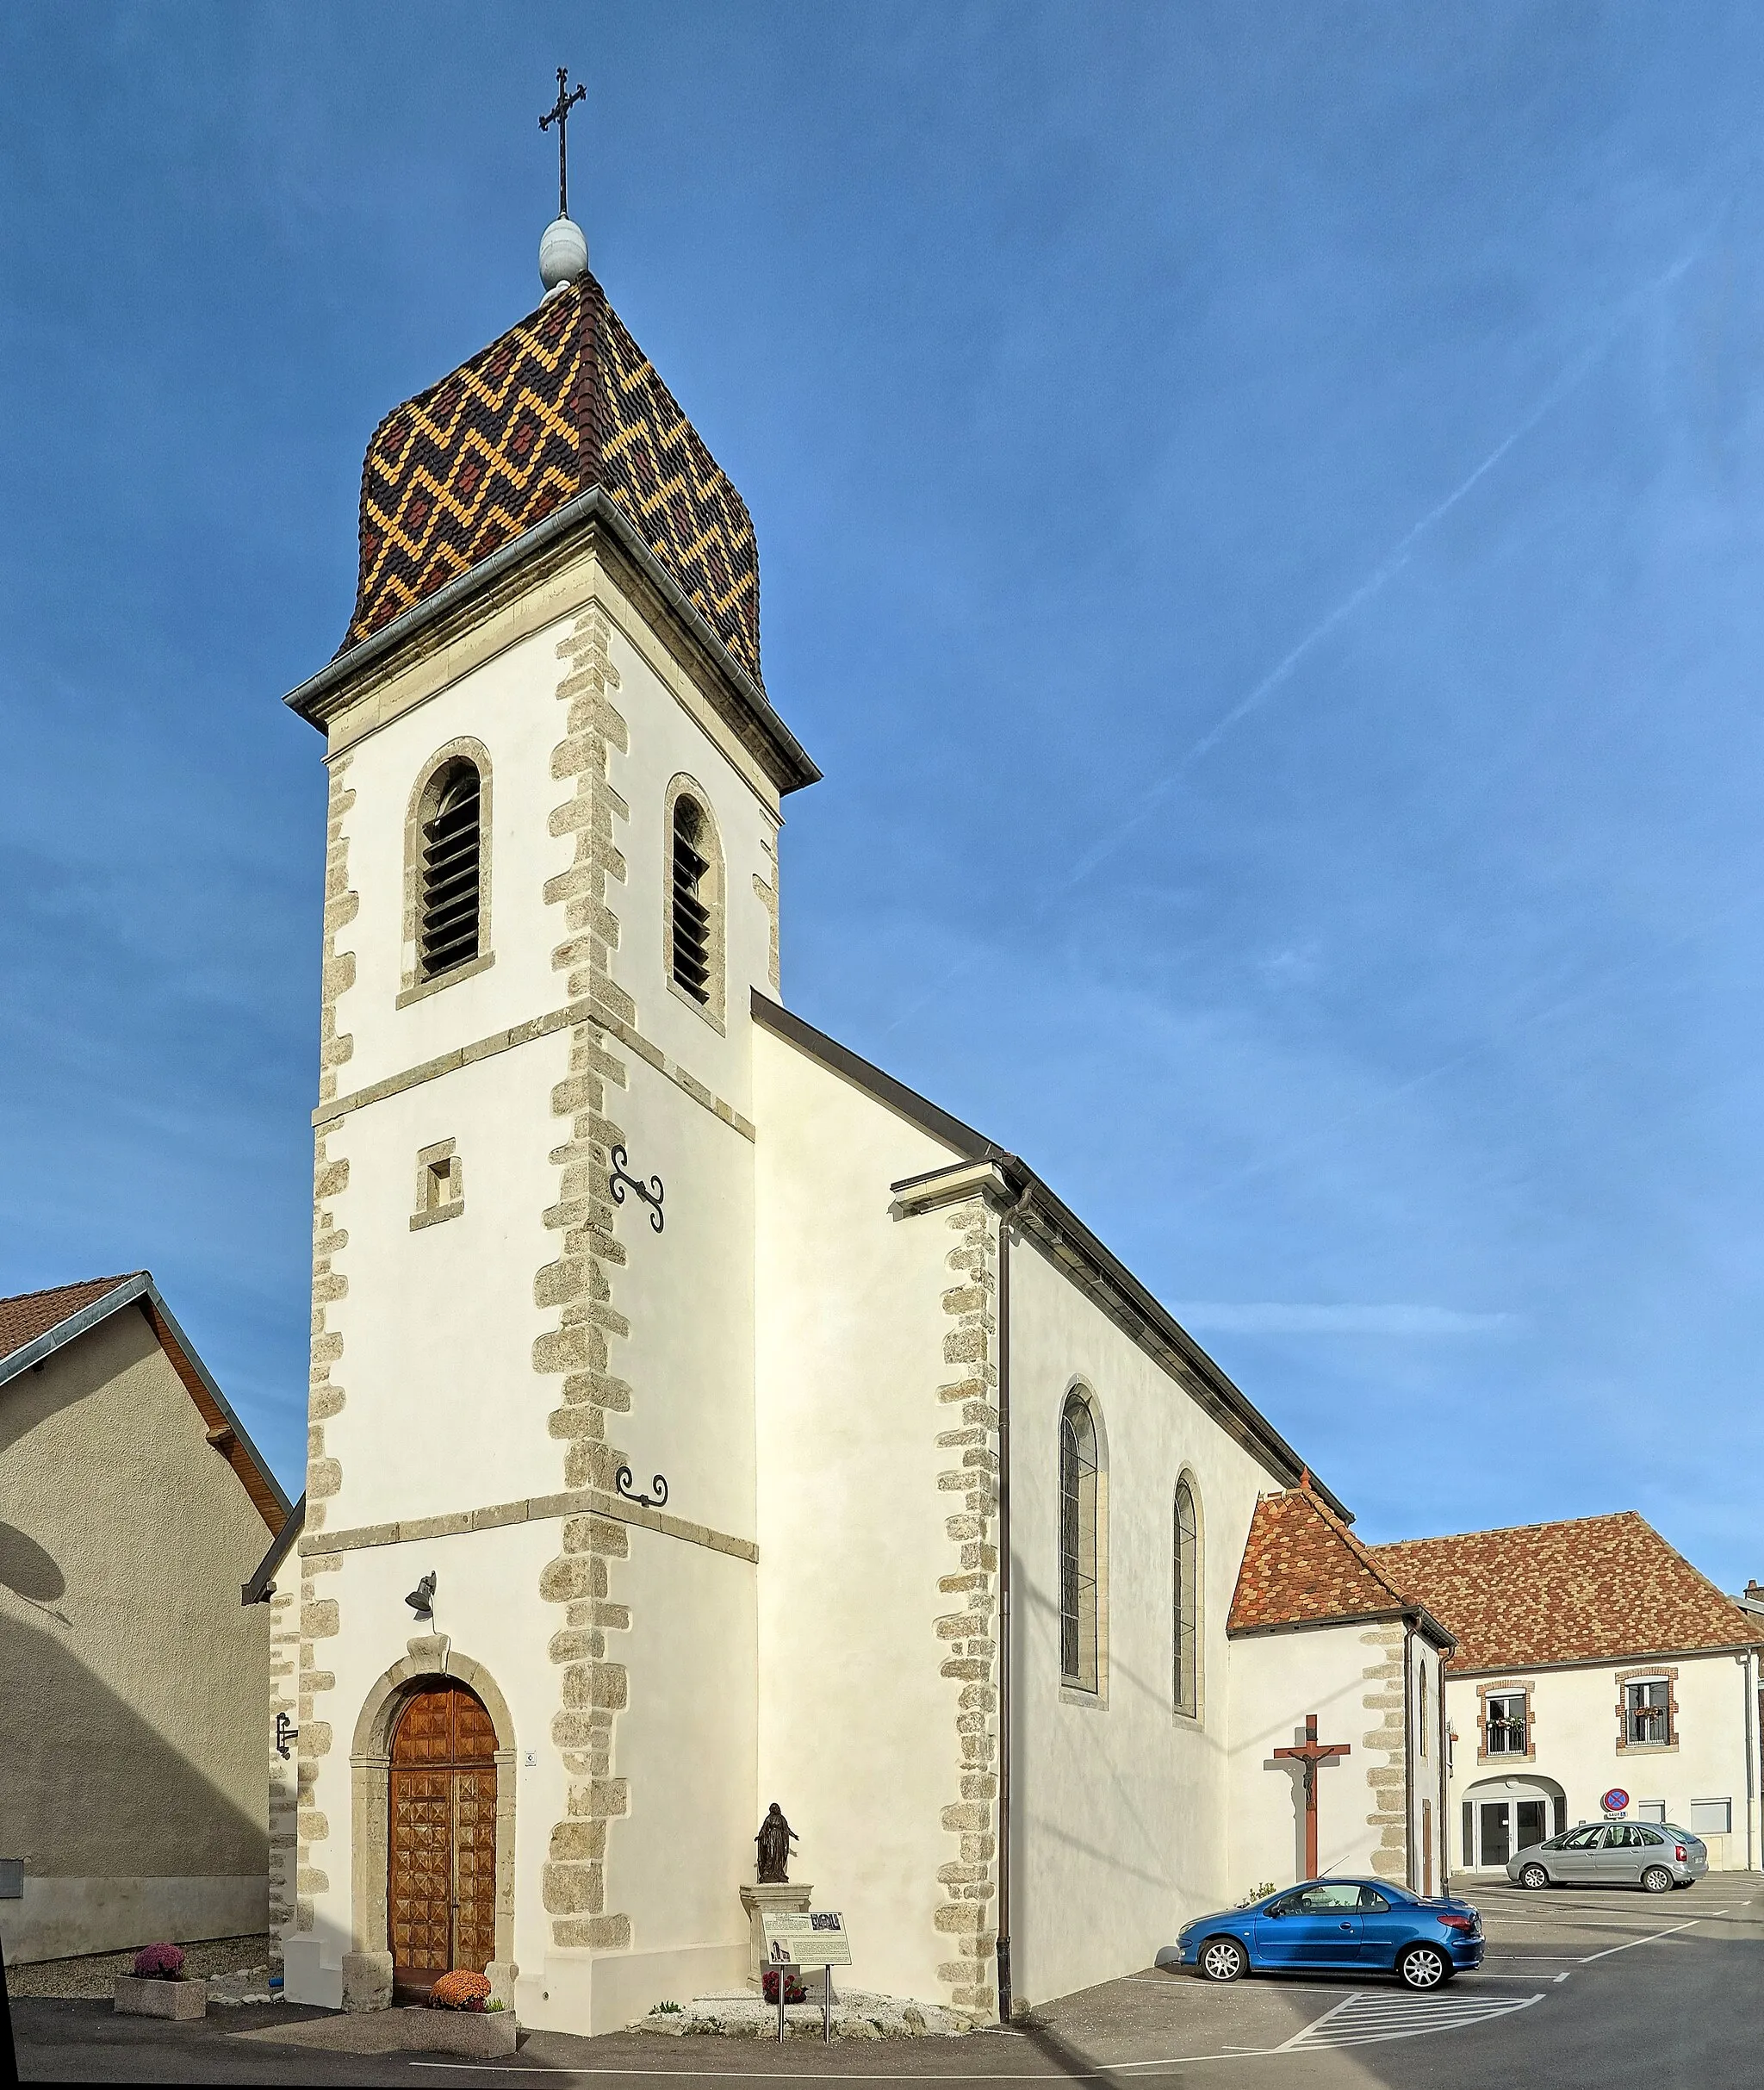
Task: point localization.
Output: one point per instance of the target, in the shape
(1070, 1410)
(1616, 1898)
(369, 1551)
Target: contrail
(1587, 991)
(1399, 555)
(1374, 585)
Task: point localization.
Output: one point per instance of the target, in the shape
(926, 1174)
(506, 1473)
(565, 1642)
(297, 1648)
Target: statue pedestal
(782, 1898)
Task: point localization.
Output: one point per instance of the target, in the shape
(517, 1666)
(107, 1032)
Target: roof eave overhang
(1463, 1672)
(141, 1291)
(1005, 1180)
(336, 685)
(1416, 1615)
(261, 1587)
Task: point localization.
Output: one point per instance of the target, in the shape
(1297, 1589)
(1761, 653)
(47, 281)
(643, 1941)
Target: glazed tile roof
(1302, 1566)
(563, 401)
(1583, 1590)
(31, 1314)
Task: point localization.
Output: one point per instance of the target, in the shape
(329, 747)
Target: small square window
(440, 1186)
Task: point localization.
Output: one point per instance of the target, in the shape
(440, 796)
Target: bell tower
(550, 892)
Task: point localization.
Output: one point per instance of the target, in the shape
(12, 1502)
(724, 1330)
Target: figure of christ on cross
(1310, 1753)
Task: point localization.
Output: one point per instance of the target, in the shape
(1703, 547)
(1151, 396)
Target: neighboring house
(132, 1507)
(1316, 1617)
(1593, 1661)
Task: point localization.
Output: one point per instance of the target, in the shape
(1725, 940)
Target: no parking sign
(1616, 1801)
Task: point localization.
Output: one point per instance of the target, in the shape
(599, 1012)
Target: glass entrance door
(1504, 1828)
(1494, 1820)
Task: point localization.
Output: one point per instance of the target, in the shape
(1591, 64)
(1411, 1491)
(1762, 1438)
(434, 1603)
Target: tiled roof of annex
(30, 1314)
(1589, 1589)
(1302, 1566)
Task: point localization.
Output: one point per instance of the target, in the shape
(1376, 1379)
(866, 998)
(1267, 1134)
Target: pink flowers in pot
(159, 1963)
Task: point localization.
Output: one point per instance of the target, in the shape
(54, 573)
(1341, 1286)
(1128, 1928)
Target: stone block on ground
(856, 2014)
(138, 1998)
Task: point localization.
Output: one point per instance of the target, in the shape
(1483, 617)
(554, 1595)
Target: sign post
(812, 1938)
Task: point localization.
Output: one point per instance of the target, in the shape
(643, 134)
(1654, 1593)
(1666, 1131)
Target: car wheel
(1423, 1967)
(1533, 1876)
(1223, 1959)
(1657, 1880)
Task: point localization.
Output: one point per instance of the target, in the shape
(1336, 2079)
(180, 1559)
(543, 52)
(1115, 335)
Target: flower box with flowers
(159, 1986)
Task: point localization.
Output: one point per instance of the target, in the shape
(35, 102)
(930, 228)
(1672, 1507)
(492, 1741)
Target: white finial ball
(563, 254)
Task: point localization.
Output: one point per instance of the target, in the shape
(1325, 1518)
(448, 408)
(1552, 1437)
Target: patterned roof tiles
(1587, 1590)
(30, 1314)
(563, 401)
(1302, 1566)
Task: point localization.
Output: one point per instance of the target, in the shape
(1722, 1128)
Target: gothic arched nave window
(1079, 1514)
(1186, 1600)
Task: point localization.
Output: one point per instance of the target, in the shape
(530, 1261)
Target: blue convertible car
(1338, 1926)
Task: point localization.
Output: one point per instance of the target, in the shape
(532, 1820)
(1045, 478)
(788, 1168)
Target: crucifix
(1310, 1753)
(560, 116)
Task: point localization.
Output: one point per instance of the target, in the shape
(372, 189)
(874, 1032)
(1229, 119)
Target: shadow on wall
(28, 1570)
(88, 1789)
(1295, 1777)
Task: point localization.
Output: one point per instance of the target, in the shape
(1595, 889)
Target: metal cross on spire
(560, 116)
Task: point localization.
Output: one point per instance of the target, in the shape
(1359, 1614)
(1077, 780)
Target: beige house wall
(132, 1719)
(1574, 1738)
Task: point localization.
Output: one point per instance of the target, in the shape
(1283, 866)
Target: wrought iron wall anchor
(621, 1481)
(286, 1731)
(651, 1193)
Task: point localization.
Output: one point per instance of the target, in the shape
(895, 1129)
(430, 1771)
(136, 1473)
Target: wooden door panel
(441, 1858)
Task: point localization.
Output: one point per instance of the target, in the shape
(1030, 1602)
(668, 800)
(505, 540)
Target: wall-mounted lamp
(421, 1599)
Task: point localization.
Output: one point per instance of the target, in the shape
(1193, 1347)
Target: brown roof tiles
(1587, 1589)
(31, 1314)
(1302, 1566)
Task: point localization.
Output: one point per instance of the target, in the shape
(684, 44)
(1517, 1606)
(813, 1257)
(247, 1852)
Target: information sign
(808, 1937)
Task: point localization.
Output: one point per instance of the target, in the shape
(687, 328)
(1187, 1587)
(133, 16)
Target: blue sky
(1259, 511)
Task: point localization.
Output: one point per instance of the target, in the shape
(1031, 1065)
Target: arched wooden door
(441, 1884)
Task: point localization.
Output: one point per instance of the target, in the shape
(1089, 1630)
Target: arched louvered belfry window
(1186, 1606)
(1078, 1544)
(693, 899)
(450, 895)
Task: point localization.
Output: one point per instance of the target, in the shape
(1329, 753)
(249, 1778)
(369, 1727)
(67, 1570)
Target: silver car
(1651, 1855)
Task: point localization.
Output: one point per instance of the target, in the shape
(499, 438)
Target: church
(699, 1417)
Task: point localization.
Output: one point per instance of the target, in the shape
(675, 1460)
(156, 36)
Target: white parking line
(1671, 1932)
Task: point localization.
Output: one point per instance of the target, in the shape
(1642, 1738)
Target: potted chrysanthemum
(159, 1987)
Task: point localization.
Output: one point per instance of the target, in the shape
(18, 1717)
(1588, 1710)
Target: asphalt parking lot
(1581, 1987)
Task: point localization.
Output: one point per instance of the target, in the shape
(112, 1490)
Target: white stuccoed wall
(856, 1724)
(1276, 1678)
(444, 1410)
(1123, 1806)
(1575, 1729)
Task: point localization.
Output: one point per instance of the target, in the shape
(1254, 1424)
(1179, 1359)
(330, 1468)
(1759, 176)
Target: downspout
(1445, 1728)
(1408, 1754)
(1007, 1222)
(1747, 1683)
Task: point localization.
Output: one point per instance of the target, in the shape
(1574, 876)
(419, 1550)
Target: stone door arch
(370, 1774)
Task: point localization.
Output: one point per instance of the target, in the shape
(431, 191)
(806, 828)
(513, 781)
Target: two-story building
(1597, 1673)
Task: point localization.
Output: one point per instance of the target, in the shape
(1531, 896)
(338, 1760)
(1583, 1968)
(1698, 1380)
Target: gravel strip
(93, 1976)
